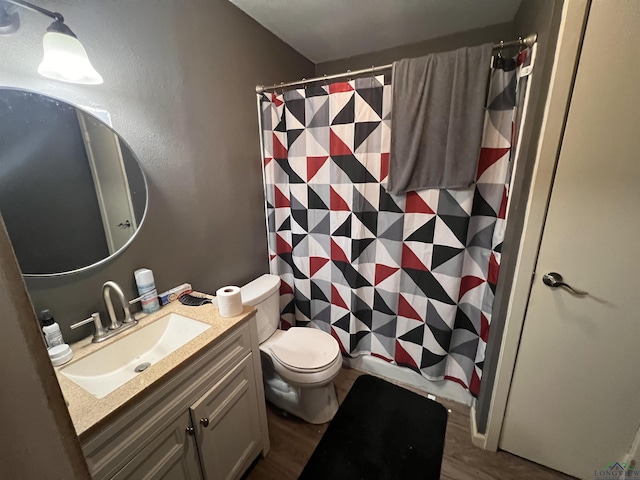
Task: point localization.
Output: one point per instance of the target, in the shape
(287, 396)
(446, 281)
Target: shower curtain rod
(527, 41)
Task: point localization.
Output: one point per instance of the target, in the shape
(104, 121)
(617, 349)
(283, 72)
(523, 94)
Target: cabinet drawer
(127, 434)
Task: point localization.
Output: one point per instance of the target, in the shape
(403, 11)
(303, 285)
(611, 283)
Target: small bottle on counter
(52, 333)
(147, 290)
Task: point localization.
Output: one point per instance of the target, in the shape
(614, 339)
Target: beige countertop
(88, 412)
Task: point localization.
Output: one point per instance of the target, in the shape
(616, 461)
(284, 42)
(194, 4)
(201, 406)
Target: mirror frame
(116, 254)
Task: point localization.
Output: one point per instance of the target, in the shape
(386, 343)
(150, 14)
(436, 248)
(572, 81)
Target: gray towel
(437, 119)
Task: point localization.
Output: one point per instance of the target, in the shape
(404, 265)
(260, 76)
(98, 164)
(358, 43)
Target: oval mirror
(72, 193)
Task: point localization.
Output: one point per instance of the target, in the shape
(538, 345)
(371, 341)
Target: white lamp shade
(65, 59)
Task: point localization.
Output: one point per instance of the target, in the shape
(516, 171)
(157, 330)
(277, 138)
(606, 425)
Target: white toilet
(299, 364)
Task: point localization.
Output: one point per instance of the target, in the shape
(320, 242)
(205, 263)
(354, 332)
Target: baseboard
(631, 458)
(477, 438)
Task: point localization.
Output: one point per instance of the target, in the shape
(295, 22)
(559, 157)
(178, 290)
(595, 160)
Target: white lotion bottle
(147, 290)
(52, 333)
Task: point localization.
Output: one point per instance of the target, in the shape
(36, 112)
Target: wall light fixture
(64, 56)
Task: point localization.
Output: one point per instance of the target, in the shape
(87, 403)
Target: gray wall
(543, 17)
(179, 84)
(492, 33)
(38, 438)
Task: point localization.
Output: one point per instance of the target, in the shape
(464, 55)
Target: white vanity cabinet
(206, 420)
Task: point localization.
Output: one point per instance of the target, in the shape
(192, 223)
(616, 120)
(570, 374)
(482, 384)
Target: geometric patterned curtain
(407, 278)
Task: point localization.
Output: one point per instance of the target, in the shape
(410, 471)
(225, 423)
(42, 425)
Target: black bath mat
(381, 431)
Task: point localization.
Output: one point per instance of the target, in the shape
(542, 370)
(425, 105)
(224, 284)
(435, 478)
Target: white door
(111, 182)
(574, 403)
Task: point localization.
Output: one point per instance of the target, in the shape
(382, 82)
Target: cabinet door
(172, 455)
(227, 424)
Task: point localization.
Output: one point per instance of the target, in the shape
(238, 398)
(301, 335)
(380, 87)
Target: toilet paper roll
(229, 301)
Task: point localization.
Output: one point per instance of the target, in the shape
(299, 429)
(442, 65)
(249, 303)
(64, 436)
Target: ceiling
(324, 30)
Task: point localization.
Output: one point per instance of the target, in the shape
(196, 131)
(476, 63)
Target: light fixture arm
(35, 8)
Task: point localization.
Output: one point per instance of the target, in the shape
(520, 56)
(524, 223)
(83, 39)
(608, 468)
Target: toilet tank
(264, 294)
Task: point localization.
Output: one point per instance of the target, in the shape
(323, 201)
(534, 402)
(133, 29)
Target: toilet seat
(303, 373)
(305, 350)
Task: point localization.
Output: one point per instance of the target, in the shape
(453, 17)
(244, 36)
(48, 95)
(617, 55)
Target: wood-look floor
(293, 442)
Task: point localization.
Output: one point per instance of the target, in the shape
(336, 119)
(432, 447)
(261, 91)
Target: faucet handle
(129, 317)
(100, 331)
(83, 322)
(136, 300)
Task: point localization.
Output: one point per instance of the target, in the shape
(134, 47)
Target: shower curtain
(407, 278)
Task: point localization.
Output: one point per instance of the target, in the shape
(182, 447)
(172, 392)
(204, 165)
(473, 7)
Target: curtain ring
(348, 76)
(325, 80)
(282, 88)
(499, 55)
(305, 83)
(373, 67)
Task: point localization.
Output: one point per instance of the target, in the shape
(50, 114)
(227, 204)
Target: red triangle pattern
(284, 325)
(337, 254)
(282, 246)
(383, 272)
(522, 56)
(457, 380)
(494, 270)
(278, 150)
(271, 257)
(336, 299)
(469, 282)
(484, 328)
(276, 100)
(335, 335)
(384, 166)
(474, 385)
(340, 87)
(336, 145)
(406, 310)
(382, 357)
(415, 204)
(285, 288)
(267, 161)
(503, 206)
(337, 203)
(403, 358)
(410, 260)
(313, 165)
(489, 156)
(280, 200)
(316, 263)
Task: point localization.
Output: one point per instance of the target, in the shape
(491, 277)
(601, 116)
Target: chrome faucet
(106, 294)
(101, 333)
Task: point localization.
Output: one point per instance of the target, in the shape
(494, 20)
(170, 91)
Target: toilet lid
(305, 349)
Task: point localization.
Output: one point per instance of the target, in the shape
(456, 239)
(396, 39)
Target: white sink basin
(101, 372)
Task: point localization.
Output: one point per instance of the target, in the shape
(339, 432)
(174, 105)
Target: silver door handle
(554, 280)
